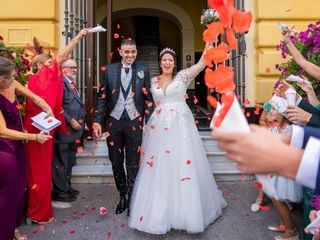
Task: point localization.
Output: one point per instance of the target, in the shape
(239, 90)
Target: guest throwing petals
(47, 83)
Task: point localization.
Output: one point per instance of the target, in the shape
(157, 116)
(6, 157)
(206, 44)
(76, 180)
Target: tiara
(167, 50)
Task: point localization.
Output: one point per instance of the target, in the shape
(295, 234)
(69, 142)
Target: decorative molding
(19, 36)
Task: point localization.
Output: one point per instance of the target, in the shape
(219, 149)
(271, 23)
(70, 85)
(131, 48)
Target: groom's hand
(97, 130)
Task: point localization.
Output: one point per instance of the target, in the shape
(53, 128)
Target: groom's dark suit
(126, 131)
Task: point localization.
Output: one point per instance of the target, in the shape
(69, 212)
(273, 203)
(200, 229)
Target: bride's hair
(173, 54)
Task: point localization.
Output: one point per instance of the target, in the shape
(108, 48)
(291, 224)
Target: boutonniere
(140, 74)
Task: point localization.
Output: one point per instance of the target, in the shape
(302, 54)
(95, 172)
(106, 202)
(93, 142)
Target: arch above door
(164, 9)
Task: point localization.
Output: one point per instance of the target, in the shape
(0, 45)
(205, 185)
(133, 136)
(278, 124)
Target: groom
(123, 101)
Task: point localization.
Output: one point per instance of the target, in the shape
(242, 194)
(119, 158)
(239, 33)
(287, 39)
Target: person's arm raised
(309, 67)
(63, 55)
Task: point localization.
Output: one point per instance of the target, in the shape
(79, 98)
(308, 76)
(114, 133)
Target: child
(287, 190)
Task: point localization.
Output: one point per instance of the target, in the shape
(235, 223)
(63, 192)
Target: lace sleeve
(187, 75)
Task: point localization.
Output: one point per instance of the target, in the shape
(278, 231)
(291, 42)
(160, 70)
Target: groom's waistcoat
(111, 101)
(125, 101)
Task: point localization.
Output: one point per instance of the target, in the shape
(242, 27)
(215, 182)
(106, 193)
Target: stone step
(89, 158)
(102, 173)
(93, 164)
(98, 149)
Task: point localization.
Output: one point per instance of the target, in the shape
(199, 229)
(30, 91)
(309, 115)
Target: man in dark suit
(65, 147)
(124, 99)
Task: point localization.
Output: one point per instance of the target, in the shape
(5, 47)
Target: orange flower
(218, 54)
(241, 21)
(221, 79)
(210, 34)
(213, 102)
(225, 8)
(231, 38)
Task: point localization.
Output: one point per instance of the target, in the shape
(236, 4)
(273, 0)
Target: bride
(175, 187)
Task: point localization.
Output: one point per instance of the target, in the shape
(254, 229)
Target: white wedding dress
(175, 187)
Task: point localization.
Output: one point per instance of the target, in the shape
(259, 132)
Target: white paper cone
(97, 29)
(293, 78)
(313, 226)
(235, 121)
(291, 98)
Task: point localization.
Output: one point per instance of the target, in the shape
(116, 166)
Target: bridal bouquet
(208, 16)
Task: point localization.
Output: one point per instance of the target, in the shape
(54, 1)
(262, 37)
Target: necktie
(75, 88)
(126, 70)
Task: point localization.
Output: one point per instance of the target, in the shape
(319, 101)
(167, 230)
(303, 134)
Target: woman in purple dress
(12, 153)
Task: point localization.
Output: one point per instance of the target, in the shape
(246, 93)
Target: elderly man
(65, 143)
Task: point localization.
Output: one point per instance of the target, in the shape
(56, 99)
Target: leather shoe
(74, 191)
(122, 205)
(64, 197)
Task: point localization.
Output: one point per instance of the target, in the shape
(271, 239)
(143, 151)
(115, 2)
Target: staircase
(148, 56)
(93, 165)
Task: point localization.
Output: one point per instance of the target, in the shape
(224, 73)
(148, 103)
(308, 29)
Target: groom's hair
(128, 41)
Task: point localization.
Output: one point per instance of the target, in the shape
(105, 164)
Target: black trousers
(123, 144)
(64, 155)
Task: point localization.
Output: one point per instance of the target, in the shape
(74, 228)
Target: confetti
(150, 164)
(231, 39)
(185, 179)
(19, 106)
(116, 35)
(144, 91)
(210, 34)
(80, 150)
(258, 184)
(103, 211)
(264, 208)
(241, 21)
(103, 68)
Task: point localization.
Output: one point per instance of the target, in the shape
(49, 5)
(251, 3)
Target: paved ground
(84, 222)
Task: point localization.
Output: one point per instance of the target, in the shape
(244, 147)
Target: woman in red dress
(48, 84)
